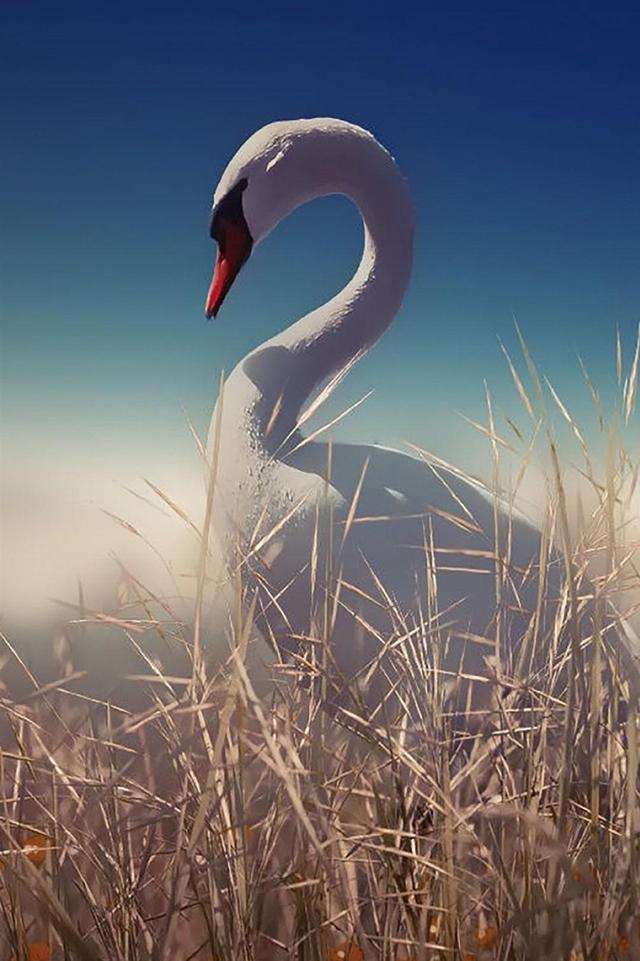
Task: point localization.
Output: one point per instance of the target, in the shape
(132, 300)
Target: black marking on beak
(228, 209)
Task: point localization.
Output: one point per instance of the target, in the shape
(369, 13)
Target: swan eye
(228, 209)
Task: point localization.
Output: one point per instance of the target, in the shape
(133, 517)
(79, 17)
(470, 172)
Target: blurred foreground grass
(222, 814)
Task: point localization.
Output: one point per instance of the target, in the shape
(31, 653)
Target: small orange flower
(39, 951)
(469, 956)
(486, 937)
(346, 952)
(583, 872)
(35, 847)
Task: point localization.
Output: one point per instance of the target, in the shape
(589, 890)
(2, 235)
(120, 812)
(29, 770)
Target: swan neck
(293, 363)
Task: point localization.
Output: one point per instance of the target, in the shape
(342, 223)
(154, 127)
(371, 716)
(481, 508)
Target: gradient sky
(517, 129)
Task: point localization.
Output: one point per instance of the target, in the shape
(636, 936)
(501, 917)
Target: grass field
(227, 817)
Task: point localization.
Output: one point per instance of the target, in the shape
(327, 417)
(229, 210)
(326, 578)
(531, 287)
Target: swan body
(418, 538)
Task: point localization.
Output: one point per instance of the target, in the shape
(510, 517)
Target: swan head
(277, 169)
(259, 187)
(283, 165)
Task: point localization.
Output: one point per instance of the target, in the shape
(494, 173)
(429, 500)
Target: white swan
(273, 506)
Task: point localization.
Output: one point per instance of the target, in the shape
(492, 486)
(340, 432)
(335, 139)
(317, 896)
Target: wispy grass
(220, 822)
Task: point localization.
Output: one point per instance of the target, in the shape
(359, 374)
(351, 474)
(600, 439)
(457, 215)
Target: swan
(335, 543)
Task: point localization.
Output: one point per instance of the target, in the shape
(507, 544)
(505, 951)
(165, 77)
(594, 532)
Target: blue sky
(516, 125)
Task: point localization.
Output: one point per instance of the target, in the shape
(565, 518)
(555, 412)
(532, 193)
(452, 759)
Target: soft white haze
(56, 533)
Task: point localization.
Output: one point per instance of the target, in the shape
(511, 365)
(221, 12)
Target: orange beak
(234, 247)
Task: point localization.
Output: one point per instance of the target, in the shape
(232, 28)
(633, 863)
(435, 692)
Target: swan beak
(234, 247)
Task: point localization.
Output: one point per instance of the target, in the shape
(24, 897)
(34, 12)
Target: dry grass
(220, 822)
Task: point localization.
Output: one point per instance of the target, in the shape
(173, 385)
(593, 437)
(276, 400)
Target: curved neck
(289, 366)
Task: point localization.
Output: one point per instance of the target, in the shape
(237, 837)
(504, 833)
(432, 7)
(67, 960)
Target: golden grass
(220, 822)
